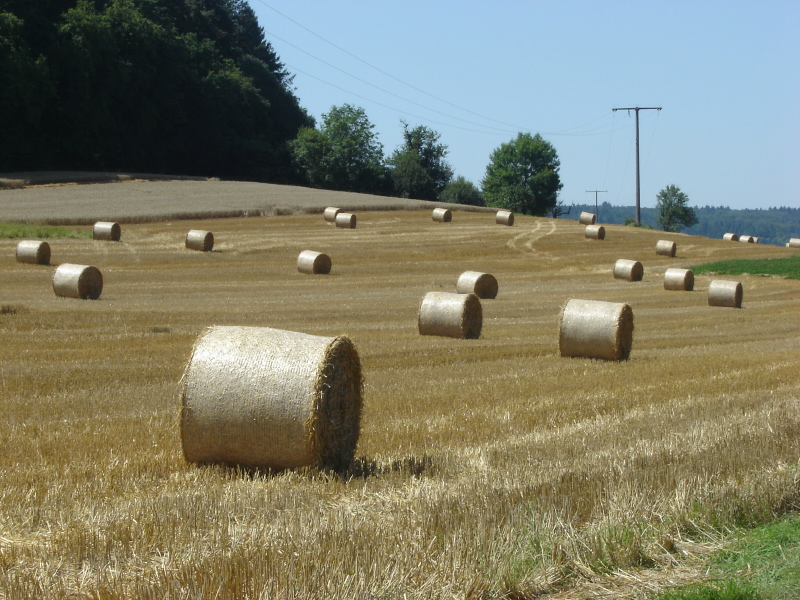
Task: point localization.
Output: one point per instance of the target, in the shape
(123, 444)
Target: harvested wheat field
(485, 468)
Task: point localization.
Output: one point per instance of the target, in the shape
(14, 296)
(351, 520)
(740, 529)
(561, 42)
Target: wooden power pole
(596, 208)
(637, 109)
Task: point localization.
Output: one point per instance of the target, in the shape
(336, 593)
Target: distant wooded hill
(771, 225)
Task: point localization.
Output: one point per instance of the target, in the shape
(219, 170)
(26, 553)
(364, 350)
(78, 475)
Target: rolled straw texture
(313, 263)
(629, 270)
(681, 280)
(666, 248)
(33, 252)
(330, 214)
(198, 239)
(595, 232)
(587, 218)
(794, 243)
(346, 220)
(730, 237)
(483, 285)
(595, 329)
(104, 230)
(450, 315)
(755, 239)
(725, 293)
(748, 239)
(504, 217)
(268, 398)
(78, 281)
(442, 215)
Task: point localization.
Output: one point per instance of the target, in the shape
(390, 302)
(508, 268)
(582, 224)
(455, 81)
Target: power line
(596, 207)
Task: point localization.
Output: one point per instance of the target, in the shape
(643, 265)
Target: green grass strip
(26, 230)
(780, 267)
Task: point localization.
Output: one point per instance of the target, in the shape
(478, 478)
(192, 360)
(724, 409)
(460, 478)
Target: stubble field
(485, 468)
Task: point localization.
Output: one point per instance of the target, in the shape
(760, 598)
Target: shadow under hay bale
(442, 215)
(666, 248)
(587, 218)
(681, 280)
(268, 398)
(330, 214)
(595, 232)
(78, 281)
(33, 252)
(198, 239)
(725, 293)
(483, 285)
(345, 220)
(730, 237)
(629, 270)
(106, 231)
(596, 329)
(313, 263)
(504, 217)
(450, 315)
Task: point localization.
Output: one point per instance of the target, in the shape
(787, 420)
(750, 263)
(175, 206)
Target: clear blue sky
(726, 73)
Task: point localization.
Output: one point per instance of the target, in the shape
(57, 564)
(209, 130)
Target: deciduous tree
(674, 212)
(419, 169)
(461, 191)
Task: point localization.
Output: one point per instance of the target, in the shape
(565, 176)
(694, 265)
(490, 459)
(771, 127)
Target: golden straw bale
(450, 315)
(330, 214)
(747, 239)
(629, 270)
(587, 218)
(268, 398)
(442, 215)
(595, 329)
(666, 248)
(483, 285)
(34, 252)
(107, 231)
(595, 232)
(78, 281)
(794, 243)
(755, 239)
(197, 239)
(504, 217)
(313, 263)
(725, 293)
(681, 280)
(730, 237)
(345, 220)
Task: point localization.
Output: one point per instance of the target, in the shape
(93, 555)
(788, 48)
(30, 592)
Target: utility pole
(637, 109)
(596, 208)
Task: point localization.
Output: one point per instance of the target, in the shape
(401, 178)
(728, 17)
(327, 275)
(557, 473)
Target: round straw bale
(345, 220)
(450, 315)
(442, 215)
(730, 237)
(104, 230)
(483, 285)
(629, 270)
(78, 281)
(595, 232)
(725, 293)
(34, 252)
(755, 239)
(504, 217)
(268, 398)
(794, 243)
(313, 263)
(747, 239)
(595, 329)
(681, 280)
(666, 248)
(587, 218)
(198, 239)
(330, 214)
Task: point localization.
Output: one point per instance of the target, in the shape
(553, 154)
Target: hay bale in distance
(313, 263)
(595, 232)
(754, 238)
(794, 243)
(34, 252)
(587, 218)
(725, 293)
(345, 220)
(504, 217)
(78, 281)
(198, 239)
(442, 215)
(106, 231)
(330, 214)
(450, 315)
(666, 248)
(747, 239)
(629, 270)
(730, 237)
(681, 280)
(483, 285)
(595, 329)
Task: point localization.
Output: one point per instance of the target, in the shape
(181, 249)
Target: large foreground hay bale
(595, 329)
(629, 270)
(747, 239)
(587, 218)
(198, 239)
(794, 243)
(330, 214)
(345, 220)
(504, 217)
(261, 397)
(107, 231)
(483, 285)
(595, 232)
(730, 237)
(450, 315)
(681, 280)
(78, 281)
(666, 248)
(442, 215)
(34, 252)
(313, 263)
(725, 293)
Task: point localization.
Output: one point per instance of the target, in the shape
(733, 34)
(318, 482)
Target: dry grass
(485, 468)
